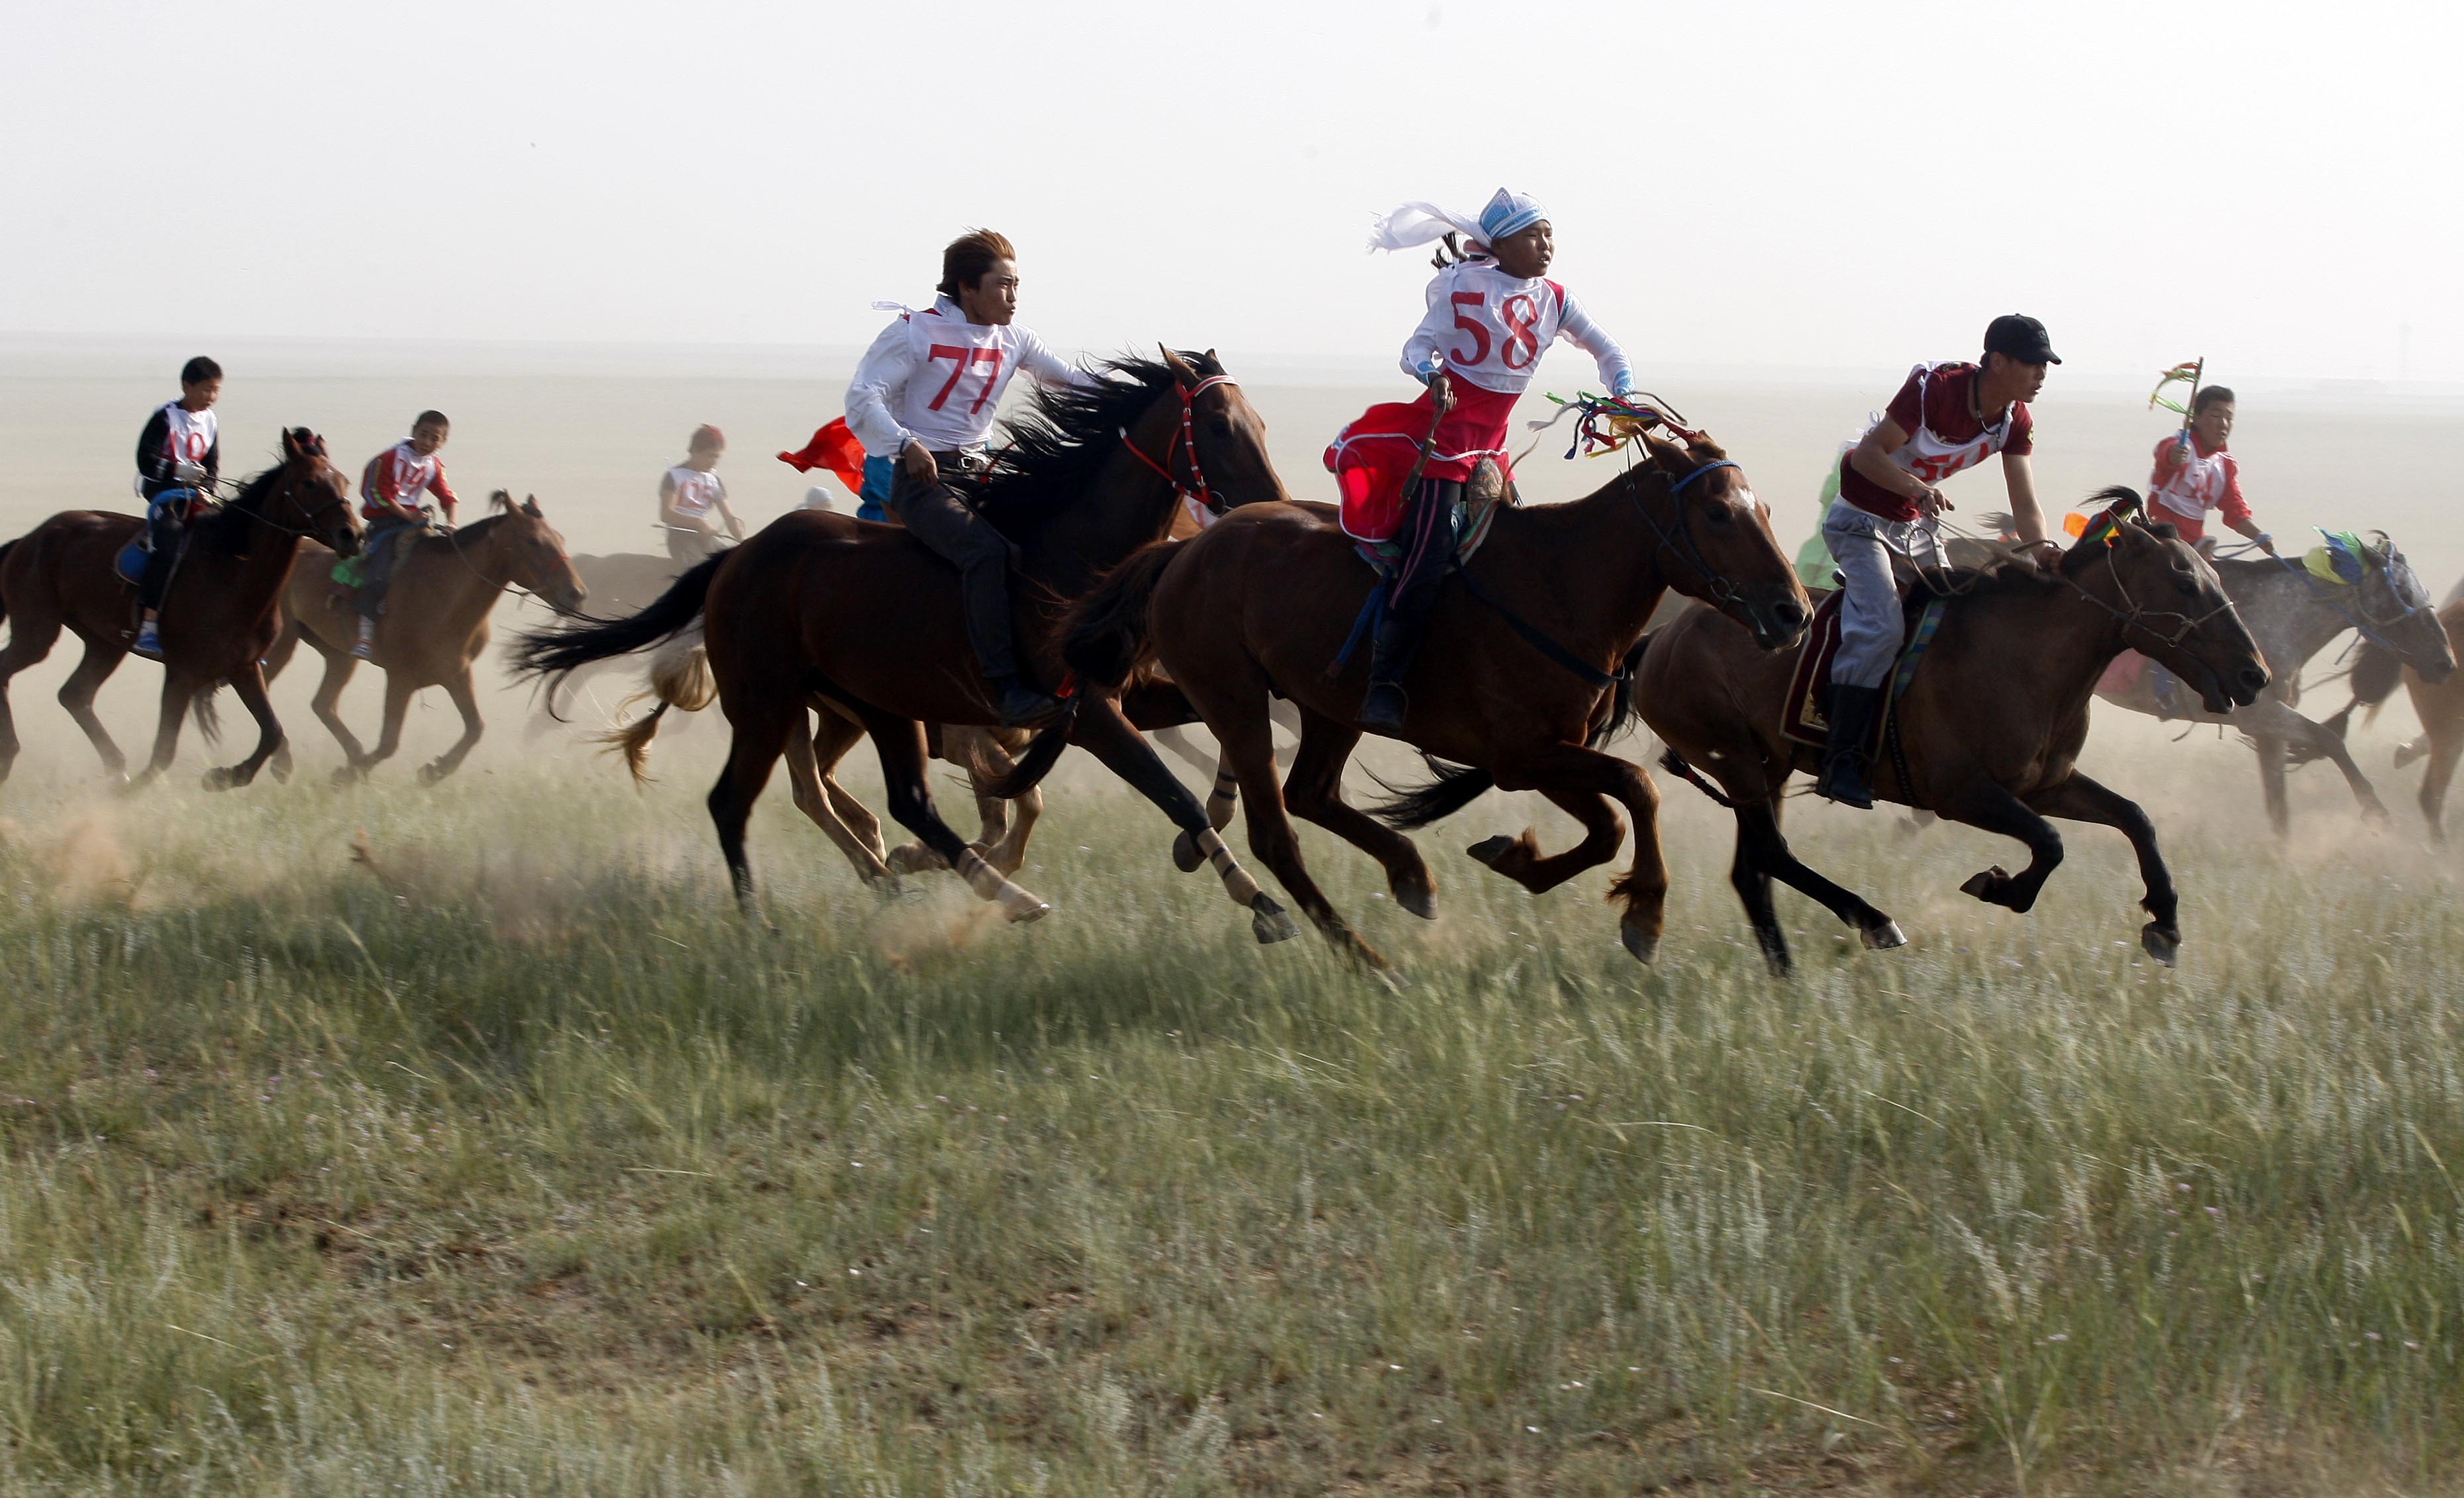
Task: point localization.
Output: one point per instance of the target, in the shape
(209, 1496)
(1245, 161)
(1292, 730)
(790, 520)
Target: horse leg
(249, 686)
(2271, 779)
(1016, 821)
(2445, 748)
(1240, 724)
(2080, 798)
(278, 655)
(1313, 790)
(77, 692)
(325, 704)
(2325, 744)
(1758, 825)
(467, 703)
(1102, 732)
(905, 773)
(30, 639)
(1986, 805)
(1752, 883)
(804, 782)
(178, 691)
(398, 692)
(761, 732)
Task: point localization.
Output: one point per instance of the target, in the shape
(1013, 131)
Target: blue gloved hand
(1624, 385)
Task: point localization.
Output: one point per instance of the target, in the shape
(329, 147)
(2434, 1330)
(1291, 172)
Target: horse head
(1721, 536)
(2172, 604)
(311, 496)
(526, 551)
(2398, 610)
(1227, 463)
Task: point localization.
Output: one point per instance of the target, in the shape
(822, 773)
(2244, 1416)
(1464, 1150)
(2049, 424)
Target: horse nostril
(2253, 679)
(1789, 615)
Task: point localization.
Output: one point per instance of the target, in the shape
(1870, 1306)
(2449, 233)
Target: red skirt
(1373, 456)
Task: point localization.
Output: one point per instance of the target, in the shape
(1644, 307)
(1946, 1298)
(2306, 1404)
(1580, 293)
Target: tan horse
(435, 623)
(1988, 729)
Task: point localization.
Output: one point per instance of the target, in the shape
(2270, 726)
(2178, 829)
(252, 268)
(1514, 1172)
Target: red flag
(835, 448)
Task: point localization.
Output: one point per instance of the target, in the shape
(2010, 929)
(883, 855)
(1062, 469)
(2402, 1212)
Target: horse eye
(1721, 515)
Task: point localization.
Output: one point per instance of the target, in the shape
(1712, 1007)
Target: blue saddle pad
(130, 564)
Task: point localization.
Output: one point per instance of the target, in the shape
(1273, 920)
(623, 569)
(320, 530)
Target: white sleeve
(1425, 351)
(879, 376)
(1576, 327)
(1036, 357)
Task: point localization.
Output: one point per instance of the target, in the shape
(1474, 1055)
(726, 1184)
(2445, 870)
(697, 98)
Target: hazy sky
(2271, 185)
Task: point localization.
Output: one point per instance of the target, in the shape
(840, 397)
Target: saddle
(1809, 685)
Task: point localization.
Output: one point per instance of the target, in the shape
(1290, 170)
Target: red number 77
(959, 361)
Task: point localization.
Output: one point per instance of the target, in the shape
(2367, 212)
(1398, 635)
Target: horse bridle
(2139, 612)
(308, 532)
(1186, 440)
(1715, 582)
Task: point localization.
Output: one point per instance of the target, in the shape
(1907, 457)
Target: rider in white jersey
(925, 394)
(180, 448)
(690, 493)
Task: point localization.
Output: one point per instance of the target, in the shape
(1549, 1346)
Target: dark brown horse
(1263, 603)
(435, 623)
(221, 613)
(867, 619)
(1988, 729)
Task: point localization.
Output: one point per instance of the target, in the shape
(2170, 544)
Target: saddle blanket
(1801, 720)
(130, 562)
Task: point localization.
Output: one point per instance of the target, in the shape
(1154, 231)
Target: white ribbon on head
(1506, 213)
(1419, 223)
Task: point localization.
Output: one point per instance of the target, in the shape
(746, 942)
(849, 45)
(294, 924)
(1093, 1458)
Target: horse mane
(227, 526)
(1056, 446)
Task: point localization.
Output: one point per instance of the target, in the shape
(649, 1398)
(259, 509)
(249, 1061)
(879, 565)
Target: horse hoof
(220, 779)
(1185, 855)
(1020, 906)
(430, 773)
(348, 775)
(1490, 850)
(1269, 922)
(2164, 945)
(1987, 885)
(1883, 937)
(1641, 945)
(1421, 900)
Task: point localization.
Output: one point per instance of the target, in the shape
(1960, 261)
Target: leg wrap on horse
(1236, 882)
(945, 522)
(1222, 799)
(987, 882)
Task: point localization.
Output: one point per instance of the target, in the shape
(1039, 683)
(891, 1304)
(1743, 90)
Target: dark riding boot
(1020, 705)
(1390, 658)
(1843, 751)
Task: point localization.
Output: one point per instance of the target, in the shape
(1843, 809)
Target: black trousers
(945, 522)
(166, 520)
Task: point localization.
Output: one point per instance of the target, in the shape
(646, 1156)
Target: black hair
(199, 370)
(2208, 396)
(430, 419)
(966, 258)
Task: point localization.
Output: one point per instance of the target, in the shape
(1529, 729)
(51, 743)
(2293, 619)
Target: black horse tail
(5, 549)
(558, 651)
(1107, 634)
(2377, 671)
(1451, 788)
(201, 712)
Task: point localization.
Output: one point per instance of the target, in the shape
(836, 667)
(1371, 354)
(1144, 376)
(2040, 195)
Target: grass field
(517, 1164)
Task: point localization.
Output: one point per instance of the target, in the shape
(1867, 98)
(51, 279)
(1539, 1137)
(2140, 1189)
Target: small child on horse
(178, 451)
(688, 493)
(2195, 474)
(1492, 314)
(390, 489)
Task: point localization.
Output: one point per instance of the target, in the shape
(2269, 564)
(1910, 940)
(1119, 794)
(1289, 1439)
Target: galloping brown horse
(220, 616)
(435, 623)
(1263, 603)
(867, 619)
(1990, 727)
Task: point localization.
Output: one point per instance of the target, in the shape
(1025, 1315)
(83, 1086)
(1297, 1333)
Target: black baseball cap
(2023, 338)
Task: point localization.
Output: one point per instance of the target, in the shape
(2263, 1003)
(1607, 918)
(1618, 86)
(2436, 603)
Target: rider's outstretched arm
(2021, 482)
(1575, 326)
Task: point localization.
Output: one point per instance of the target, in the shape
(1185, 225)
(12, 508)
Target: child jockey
(1490, 316)
(2195, 474)
(178, 450)
(688, 493)
(389, 494)
(924, 395)
(1943, 419)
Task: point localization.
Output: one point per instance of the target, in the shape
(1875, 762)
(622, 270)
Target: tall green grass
(528, 1167)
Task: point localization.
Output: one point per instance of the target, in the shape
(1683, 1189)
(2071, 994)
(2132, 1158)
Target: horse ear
(1178, 365)
(531, 506)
